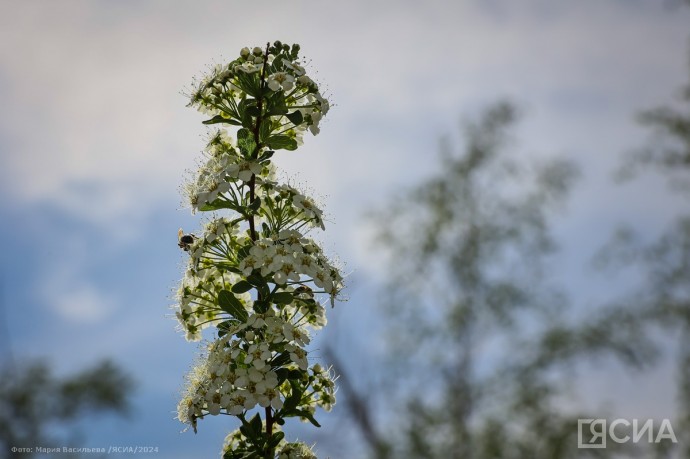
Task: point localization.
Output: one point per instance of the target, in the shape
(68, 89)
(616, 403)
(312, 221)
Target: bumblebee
(304, 292)
(185, 241)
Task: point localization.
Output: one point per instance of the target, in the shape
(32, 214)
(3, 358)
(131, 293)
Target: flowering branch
(256, 276)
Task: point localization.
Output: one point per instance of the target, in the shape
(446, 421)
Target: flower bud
(244, 52)
(257, 51)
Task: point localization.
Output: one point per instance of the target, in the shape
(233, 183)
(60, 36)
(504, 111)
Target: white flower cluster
(236, 443)
(296, 451)
(219, 93)
(233, 441)
(224, 166)
(284, 203)
(197, 295)
(198, 305)
(239, 374)
(294, 259)
(289, 260)
(255, 276)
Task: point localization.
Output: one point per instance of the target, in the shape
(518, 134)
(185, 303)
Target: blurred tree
(33, 402)
(483, 348)
(663, 294)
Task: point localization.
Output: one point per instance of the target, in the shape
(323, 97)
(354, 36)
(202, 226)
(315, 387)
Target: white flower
(324, 281)
(295, 334)
(248, 264)
(255, 321)
(296, 451)
(257, 355)
(248, 67)
(298, 356)
(215, 230)
(307, 206)
(296, 68)
(280, 278)
(193, 334)
(305, 80)
(314, 126)
(214, 409)
(243, 170)
(270, 398)
(324, 104)
(281, 80)
(235, 407)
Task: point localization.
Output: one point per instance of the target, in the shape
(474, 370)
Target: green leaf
(265, 130)
(243, 134)
(278, 111)
(298, 375)
(282, 374)
(275, 439)
(283, 298)
(245, 141)
(232, 269)
(295, 117)
(243, 252)
(219, 119)
(266, 155)
(260, 283)
(242, 106)
(281, 142)
(307, 415)
(241, 287)
(248, 82)
(255, 204)
(245, 117)
(281, 359)
(230, 304)
(253, 110)
(246, 431)
(216, 205)
(255, 425)
(276, 104)
(261, 306)
(293, 400)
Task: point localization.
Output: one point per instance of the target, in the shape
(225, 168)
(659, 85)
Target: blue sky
(95, 139)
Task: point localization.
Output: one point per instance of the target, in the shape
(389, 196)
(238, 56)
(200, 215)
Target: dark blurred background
(507, 184)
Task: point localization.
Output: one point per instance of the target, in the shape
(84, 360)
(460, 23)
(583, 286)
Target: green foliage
(32, 401)
(230, 304)
(467, 252)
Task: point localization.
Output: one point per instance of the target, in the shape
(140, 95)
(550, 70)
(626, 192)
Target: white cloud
(92, 122)
(81, 303)
(71, 297)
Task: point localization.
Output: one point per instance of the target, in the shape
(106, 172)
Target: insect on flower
(304, 292)
(185, 241)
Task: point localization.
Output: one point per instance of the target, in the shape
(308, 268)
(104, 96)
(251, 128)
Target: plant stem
(252, 196)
